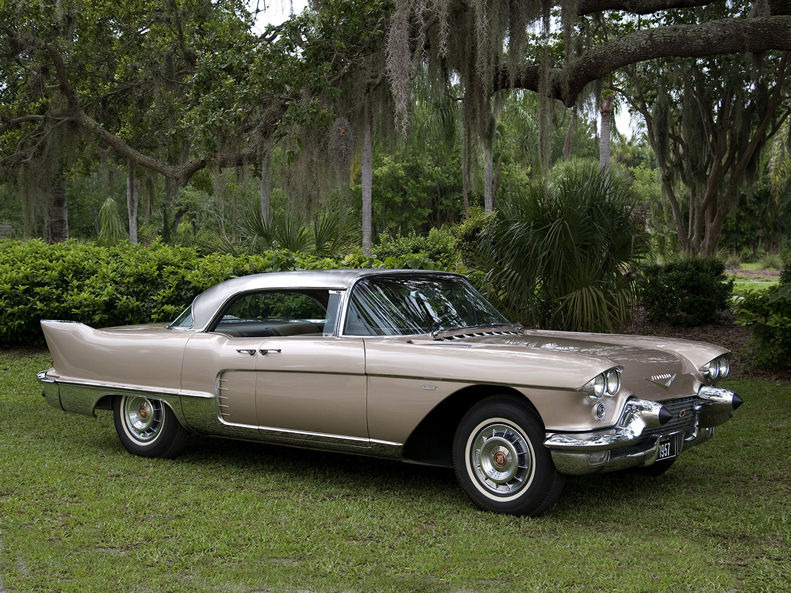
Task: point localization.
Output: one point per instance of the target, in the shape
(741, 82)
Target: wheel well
(105, 403)
(431, 442)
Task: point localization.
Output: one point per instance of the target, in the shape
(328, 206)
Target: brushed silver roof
(206, 305)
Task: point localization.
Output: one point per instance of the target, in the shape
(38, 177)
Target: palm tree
(559, 256)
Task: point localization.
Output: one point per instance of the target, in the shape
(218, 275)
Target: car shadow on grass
(325, 470)
(325, 475)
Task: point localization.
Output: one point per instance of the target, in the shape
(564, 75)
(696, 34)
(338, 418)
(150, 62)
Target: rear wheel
(500, 460)
(148, 427)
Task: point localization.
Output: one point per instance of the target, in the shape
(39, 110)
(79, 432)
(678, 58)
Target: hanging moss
(490, 39)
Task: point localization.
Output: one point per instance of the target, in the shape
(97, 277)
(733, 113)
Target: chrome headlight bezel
(716, 368)
(606, 384)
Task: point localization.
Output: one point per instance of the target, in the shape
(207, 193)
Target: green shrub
(687, 292)
(768, 315)
(560, 255)
(127, 284)
(437, 251)
(785, 274)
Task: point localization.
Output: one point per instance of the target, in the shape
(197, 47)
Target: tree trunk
(496, 182)
(488, 198)
(171, 188)
(266, 188)
(465, 171)
(57, 229)
(29, 208)
(148, 202)
(131, 201)
(605, 109)
(367, 182)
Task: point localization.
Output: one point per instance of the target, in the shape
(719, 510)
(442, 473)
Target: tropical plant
(111, 227)
(330, 230)
(560, 255)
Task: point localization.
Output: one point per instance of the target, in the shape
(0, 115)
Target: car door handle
(266, 351)
(250, 351)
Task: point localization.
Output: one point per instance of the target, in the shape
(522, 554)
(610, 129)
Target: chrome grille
(684, 416)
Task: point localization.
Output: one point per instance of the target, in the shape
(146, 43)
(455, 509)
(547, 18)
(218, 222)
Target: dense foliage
(687, 292)
(437, 250)
(129, 284)
(768, 315)
(559, 256)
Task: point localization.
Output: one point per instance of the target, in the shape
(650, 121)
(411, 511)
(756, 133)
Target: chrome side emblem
(664, 380)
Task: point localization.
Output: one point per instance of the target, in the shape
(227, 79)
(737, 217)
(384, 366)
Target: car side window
(275, 313)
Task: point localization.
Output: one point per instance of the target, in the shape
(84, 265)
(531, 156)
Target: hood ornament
(665, 380)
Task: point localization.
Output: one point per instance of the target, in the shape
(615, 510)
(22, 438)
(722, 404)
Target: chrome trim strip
(312, 440)
(468, 382)
(136, 388)
(236, 424)
(82, 398)
(43, 378)
(198, 394)
(386, 443)
(385, 376)
(289, 432)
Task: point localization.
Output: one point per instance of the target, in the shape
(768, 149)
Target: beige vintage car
(405, 364)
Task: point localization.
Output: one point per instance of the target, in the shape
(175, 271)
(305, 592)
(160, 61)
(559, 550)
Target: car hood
(652, 366)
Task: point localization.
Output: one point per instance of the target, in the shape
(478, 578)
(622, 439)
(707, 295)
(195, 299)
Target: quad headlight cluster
(607, 383)
(716, 369)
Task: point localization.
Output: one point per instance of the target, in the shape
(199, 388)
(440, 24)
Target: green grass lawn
(78, 513)
(742, 285)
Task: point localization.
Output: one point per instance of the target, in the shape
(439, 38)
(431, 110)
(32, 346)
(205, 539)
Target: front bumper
(641, 431)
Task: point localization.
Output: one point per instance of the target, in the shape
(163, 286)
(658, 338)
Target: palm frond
(559, 252)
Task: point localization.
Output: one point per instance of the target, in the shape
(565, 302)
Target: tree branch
(637, 6)
(724, 36)
(179, 173)
(9, 122)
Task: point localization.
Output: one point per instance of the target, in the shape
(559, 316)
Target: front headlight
(613, 382)
(718, 368)
(607, 383)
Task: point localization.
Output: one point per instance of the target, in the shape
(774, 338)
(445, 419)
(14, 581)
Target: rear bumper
(643, 427)
(49, 389)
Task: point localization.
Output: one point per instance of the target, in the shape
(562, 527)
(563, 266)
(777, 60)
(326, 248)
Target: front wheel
(148, 427)
(500, 460)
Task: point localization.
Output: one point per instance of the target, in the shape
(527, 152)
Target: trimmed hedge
(688, 292)
(125, 284)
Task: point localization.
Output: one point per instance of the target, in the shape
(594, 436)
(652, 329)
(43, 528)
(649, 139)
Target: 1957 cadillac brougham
(402, 364)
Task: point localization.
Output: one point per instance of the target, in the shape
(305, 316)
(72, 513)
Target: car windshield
(400, 305)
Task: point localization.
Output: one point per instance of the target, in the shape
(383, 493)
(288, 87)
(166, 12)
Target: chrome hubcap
(501, 458)
(143, 417)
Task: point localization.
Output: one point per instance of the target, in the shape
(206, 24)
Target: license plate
(668, 448)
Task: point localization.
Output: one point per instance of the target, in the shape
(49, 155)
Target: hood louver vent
(477, 334)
